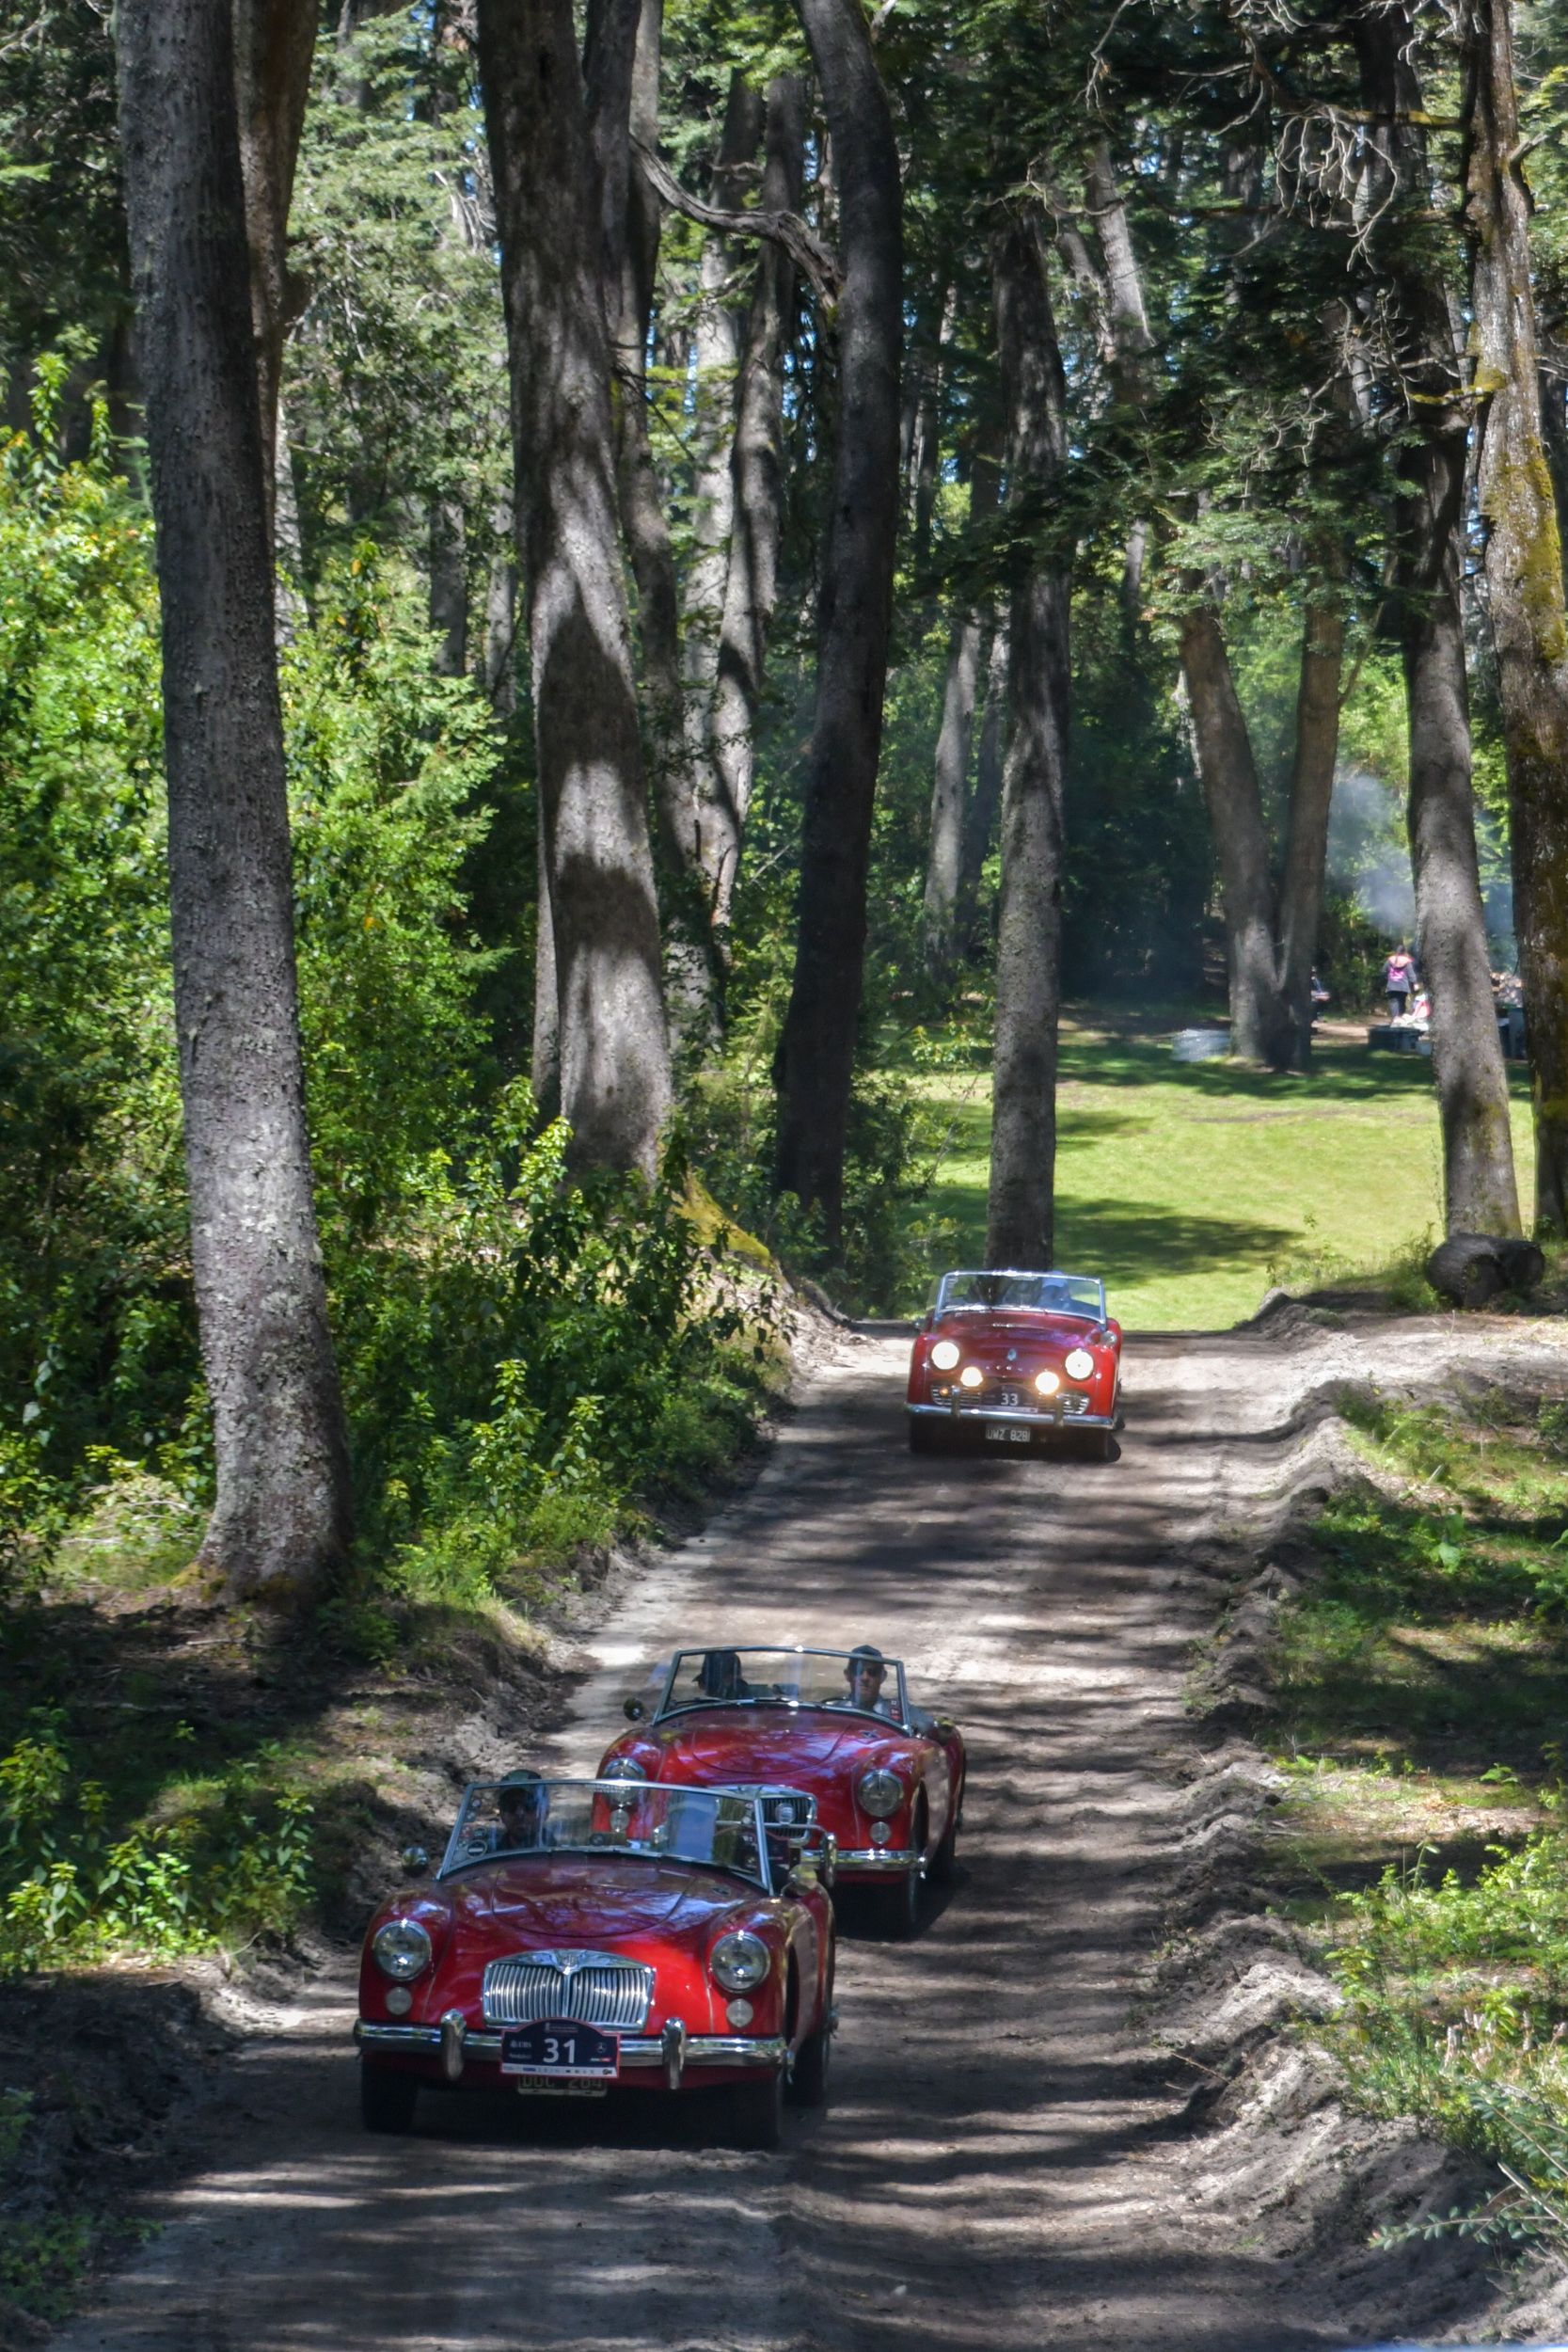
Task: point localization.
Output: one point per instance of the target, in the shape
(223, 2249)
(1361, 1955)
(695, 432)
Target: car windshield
(785, 1678)
(519, 1820)
(1041, 1294)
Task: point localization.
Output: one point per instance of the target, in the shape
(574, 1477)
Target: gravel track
(995, 2169)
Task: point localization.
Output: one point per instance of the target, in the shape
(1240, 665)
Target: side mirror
(634, 1710)
(945, 1726)
(415, 1860)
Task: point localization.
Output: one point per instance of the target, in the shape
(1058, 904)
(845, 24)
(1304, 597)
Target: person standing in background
(1399, 978)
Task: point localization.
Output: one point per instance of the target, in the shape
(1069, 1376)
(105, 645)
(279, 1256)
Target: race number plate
(1007, 1433)
(558, 2051)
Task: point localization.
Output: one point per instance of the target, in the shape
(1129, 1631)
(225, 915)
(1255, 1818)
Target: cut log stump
(1472, 1269)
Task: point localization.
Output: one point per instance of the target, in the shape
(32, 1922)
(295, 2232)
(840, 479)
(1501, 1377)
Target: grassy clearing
(1194, 1187)
(1421, 1680)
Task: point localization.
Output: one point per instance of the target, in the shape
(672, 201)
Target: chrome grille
(594, 1988)
(788, 1808)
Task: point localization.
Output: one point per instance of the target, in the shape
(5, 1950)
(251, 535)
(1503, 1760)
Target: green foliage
(229, 1861)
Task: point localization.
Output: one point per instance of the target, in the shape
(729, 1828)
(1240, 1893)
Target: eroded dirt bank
(1007, 2162)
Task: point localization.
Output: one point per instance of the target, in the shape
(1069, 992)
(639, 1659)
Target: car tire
(942, 1863)
(756, 2112)
(387, 2098)
(904, 1901)
(925, 1437)
(808, 2083)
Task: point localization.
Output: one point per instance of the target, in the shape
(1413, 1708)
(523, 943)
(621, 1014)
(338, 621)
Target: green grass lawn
(1191, 1188)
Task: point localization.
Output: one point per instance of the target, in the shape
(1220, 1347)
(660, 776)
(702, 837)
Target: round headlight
(401, 1949)
(945, 1356)
(880, 1792)
(1078, 1365)
(1047, 1383)
(971, 1376)
(623, 1768)
(739, 1962)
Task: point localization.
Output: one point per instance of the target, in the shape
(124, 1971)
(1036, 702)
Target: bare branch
(804, 247)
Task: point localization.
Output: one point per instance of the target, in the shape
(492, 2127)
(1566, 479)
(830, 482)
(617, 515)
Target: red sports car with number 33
(585, 1936)
(837, 1725)
(1016, 1357)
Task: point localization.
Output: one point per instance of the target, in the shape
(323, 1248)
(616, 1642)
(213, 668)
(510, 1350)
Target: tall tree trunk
(816, 1051)
(985, 802)
(1317, 746)
(1479, 1189)
(1524, 578)
(449, 586)
(274, 43)
(718, 336)
(614, 1051)
(621, 69)
(545, 1066)
(291, 609)
(281, 1519)
(1021, 1208)
(500, 618)
(944, 853)
(756, 467)
(1259, 1026)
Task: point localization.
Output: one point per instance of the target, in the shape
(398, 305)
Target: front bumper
(765, 2052)
(1025, 1415)
(883, 1861)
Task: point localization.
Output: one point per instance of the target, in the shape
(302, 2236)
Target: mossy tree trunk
(1524, 578)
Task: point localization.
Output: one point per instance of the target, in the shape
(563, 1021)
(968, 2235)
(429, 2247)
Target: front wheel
(387, 2098)
(756, 2112)
(939, 1869)
(809, 2082)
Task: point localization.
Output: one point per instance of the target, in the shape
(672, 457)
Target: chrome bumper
(1022, 1413)
(887, 1858)
(702, 2049)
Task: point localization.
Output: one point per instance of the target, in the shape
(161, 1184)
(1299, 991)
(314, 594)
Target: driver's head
(990, 1289)
(522, 1801)
(719, 1673)
(864, 1672)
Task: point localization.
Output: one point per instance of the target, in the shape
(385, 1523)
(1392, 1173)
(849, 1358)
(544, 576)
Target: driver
(523, 1804)
(720, 1674)
(864, 1672)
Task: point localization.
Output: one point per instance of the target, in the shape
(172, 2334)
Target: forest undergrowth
(1420, 1676)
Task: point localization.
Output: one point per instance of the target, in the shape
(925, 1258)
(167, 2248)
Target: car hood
(581, 1899)
(987, 1338)
(770, 1744)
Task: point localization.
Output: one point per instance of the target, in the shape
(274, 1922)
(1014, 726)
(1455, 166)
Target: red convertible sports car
(581, 1936)
(837, 1725)
(1018, 1356)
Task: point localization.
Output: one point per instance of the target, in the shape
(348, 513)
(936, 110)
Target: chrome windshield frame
(1018, 1274)
(706, 1703)
(617, 1792)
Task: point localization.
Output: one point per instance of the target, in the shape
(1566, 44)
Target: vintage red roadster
(1016, 1357)
(887, 1778)
(584, 1936)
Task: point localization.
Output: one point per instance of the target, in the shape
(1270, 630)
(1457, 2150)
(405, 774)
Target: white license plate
(1007, 1433)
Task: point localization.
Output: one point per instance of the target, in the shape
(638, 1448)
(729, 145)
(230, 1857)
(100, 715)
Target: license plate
(1007, 1433)
(558, 2051)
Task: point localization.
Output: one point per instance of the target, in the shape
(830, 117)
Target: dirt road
(995, 2169)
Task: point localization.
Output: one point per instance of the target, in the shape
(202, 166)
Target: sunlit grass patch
(1195, 1187)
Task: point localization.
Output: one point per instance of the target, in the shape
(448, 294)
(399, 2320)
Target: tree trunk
(718, 340)
(1317, 747)
(1479, 1190)
(449, 586)
(980, 817)
(290, 608)
(500, 619)
(1020, 1209)
(614, 1052)
(756, 467)
(816, 1051)
(945, 854)
(1259, 1026)
(1524, 578)
(545, 1067)
(274, 43)
(281, 1519)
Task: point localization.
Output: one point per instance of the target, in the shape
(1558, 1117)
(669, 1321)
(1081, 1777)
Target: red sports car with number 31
(585, 1936)
(1016, 1357)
